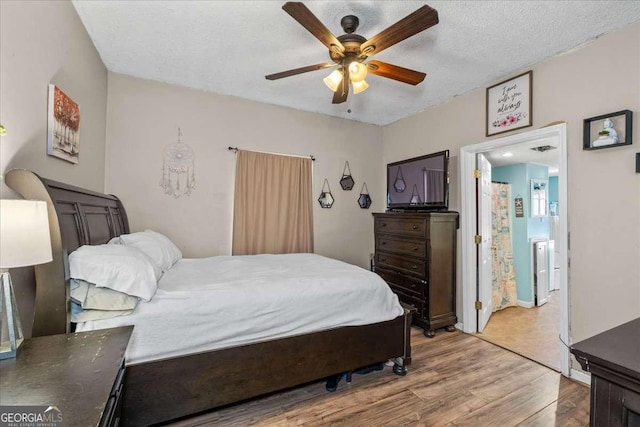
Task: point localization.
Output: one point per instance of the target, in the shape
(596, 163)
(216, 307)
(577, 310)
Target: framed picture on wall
(509, 104)
(63, 126)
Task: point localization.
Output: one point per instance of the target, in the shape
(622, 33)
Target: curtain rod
(235, 150)
(499, 182)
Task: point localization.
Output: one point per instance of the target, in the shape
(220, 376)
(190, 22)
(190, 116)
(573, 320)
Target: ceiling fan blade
(300, 70)
(341, 94)
(408, 26)
(390, 71)
(308, 20)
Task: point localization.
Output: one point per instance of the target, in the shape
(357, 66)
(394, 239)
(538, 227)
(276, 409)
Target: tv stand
(416, 256)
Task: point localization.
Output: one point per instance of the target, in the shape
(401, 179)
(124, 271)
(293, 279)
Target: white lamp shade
(359, 86)
(24, 233)
(357, 72)
(333, 80)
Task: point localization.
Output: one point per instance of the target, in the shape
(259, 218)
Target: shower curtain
(503, 274)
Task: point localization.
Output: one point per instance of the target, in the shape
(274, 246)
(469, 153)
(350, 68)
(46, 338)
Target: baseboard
(525, 304)
(581, 376)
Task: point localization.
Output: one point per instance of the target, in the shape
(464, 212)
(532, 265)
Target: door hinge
(477, 239)
(476, 173)
(478, 305)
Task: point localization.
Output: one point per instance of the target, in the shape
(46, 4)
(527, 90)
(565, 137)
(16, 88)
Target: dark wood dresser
(613, 358)
(79, 374)
(416, 256)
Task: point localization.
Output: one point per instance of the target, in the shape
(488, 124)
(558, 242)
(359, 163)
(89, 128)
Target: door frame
(557, 133)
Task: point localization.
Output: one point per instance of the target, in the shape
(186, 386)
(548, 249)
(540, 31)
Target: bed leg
(405, 360)
(399, 369)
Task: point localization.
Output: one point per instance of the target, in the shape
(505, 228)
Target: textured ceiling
(227, 47)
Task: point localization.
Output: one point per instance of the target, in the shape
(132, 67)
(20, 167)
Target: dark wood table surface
(617, 349)
(75, 372)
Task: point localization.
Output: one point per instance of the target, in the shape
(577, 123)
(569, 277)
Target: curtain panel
(273, 208)
(433, 185)
(503, 268)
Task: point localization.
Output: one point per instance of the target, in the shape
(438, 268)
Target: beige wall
(604, 190)
(43, 42)
(143, 117)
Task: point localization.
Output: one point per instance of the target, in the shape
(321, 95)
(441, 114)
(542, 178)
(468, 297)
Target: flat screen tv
(420, 183)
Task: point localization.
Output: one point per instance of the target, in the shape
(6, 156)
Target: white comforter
(209, 303)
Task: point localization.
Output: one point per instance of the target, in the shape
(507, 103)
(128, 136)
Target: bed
(174, 386)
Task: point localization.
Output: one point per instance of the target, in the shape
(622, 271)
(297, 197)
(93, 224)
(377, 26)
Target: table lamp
(24, 241)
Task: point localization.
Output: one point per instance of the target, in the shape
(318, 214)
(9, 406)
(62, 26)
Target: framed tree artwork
(63, 126)
(509, 104)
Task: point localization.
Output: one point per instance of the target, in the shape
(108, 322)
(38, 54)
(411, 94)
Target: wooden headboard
(76, 217)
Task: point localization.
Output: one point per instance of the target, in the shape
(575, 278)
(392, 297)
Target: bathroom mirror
(539, 197)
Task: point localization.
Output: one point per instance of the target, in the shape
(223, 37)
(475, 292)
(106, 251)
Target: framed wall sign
(509, 104)
(519, 203)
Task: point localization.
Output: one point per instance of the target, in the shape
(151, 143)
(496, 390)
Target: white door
(484, 248)
(541, 272)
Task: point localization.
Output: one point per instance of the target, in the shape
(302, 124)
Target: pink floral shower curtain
(503, 276)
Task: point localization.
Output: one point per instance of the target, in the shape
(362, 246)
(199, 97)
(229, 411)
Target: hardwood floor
(455, 380)
(530, 332)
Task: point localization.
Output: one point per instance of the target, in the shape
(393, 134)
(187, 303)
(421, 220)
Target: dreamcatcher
(178, 162)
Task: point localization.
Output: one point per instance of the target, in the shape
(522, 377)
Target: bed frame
(163, 390)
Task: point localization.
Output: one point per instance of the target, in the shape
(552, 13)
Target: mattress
(211, 303)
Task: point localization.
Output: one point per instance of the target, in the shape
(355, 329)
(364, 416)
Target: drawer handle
(384, 243)
(415, 267)
(415, 226)
(415, 248)
(384, 224)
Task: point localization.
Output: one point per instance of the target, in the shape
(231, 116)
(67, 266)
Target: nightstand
(82, 374)
(613, 358)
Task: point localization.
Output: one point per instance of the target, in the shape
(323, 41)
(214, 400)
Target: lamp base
(7, 351)
(10, 344)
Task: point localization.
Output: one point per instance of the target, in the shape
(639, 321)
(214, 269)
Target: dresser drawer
(413, 266)
(415, 227)
(413, 247)
(113, 409)
(410, 285)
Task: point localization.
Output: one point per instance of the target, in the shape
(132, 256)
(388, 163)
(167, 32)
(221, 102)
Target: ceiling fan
(350, 50)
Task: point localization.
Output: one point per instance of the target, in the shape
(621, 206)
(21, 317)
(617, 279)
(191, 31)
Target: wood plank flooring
(530, 332)
(455, 380)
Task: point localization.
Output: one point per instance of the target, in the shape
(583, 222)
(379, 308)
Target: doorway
(554, 136)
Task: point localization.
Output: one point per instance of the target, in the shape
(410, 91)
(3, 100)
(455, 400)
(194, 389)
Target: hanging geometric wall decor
(415, 196)
(364, 200)
(346, 182)
(399, 185)
(326, 198)
(178, 169)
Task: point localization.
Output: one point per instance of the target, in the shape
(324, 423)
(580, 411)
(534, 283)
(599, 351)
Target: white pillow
(174, 252)
(156, 246)
(91, 297)
(118, 267)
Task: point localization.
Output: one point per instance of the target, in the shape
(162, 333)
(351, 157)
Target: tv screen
(420, 183)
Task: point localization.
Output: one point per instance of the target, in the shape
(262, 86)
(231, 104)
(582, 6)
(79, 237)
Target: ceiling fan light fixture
(357, 71)
(333, 80)
(360, 86)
